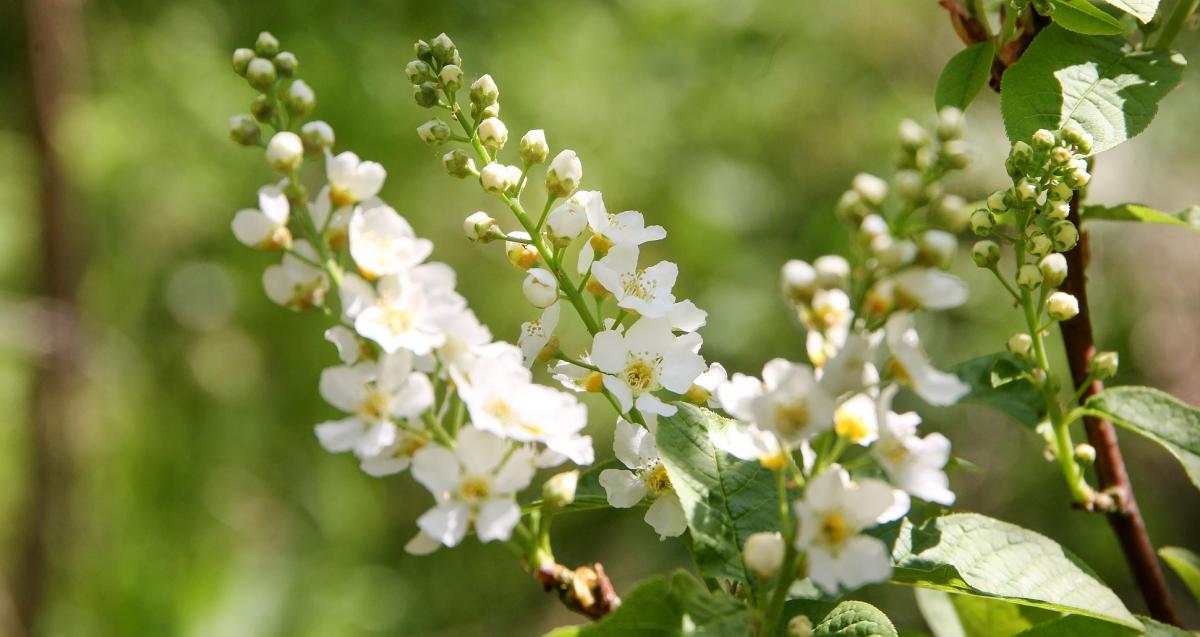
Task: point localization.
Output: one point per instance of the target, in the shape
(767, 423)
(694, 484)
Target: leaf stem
(1178, 18)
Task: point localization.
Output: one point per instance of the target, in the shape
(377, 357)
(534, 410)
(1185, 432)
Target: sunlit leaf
(964, 76)
(1158, 416)
(1186, 565)
(1081, 16)
(1189, 217)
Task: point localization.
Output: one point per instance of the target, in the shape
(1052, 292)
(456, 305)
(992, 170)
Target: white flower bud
(893, 253)
(434, 132)
(1085, 453)
(564, 174)
(937, 248)
(559, 490)
(1029, 276)
(800, 626)
(850, 206)
(1064, 235)
(996, 201)
(1104, 364)
(982, 222)
(872, 226)
(833, 271)
(418, 72)
(484, 91)
(909, 184)
(244, 130)
(286, 64)
(1060, 156)
(951, 213)
(285, 151)
(1058, 210)
(566, 222)
(1054, 269)
(1060, 191)
(443, 49)
(985, 253)
(1020, 344)
(950, 123)
(451, 77)
(1062, 306)
(763, 554)
(458, 164)
(957, 152)
(493, 133)
(798, 281)
(496, 177)
(241, 60)
(1039, 244)
(260, 72)
(1077, 178)
(267, 45)
(300, 99)
(872, 189)
(317, 136)
(1043, 139)
(912, 135)
(540, 287)
(478, 226)
(534, 148)
(521, 255)
(1025, 191)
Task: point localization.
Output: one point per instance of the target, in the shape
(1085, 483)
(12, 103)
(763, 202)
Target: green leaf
(993, 385)
(1186, 565)
(1158, 416)
(1098, 82)
(725, 499)
(939, 613)
(855, 619)
(966, 616)
(1189, 217)
(1080, 626)
(1081, 16)
(964, 76)
(1143, 10)
(976, 555)
(669, 606)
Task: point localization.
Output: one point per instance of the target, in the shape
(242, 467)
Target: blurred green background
(188, 495)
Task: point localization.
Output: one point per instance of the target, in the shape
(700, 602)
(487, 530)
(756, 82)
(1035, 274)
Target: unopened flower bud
(833, 271)
(317, 136)
(1020, 344)
(286, 64)
(458, 164)
(564, 174)
(1039, 244)
(493, 133)
(1104, 365)
(912, 135)
(1062, 306)
(997, 202)
(496, 177)
(985, 253)
(872, 189)
(910, 185)
(957, 153)
(798, 281)
(423, 51)
(263, 109)
(260, 73)
(1029, 276)
(1054, 269)
(241, 60)
(417, 72)
(1064, 235)
(1021, 153)
(285, 151)
(565, 223)
(1085, 453)
(1043, 139)
(872, 226)
(850, 206)
(479, 226)
(425, 94)
(540, 288)
(1060, 192)
(521, 255)
(800, 626)
(1025, 191)
(559, 490)
(982, 222)
(244, 130)
(300, 99)
(434, 132)
(1073, 133)
(480, 113)
(1058, 210)
(534, 148)
(950, 123)
(1077, 178)
(1060, 156)
(763, 554)
(451, 77)
(484, 91)
(266, 45)
(893, 253)
(443, 49)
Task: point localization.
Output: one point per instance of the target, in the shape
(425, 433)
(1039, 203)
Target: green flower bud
(985, 253)
(286, 64)
(434, 132)
(1039, 244)
(997, 202)
(1073, 133)
(982, 222)
(266, 45)
(480, 112)
(451, 77)
(1043, 139)
(1025, 191)
(300, 99)
(1062, 306)
(443, 49)
(422, 50)
(1021, 153)
(241, 59)
(1054, 269)
(484, 91)
(317, 136)
(950, 124)
(458, 164)
(1029, 276)
(1077, 178)
(244, 130)
(426, 94)
(418, 71)
(1104, 365)
(850, 206)
(481, 227)
(1064, 234)
(534, 148)
(1020, 344)
(1059, 191)
(263, 109)
(1058, 210)
(1085, 453)
(260, 73)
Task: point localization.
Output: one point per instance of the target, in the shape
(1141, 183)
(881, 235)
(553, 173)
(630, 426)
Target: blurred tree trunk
(54, 31)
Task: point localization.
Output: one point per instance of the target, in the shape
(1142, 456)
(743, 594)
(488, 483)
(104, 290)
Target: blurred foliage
(202, 504)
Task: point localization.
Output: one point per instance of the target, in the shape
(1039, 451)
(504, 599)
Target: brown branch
(1126, 518)
(585, 590)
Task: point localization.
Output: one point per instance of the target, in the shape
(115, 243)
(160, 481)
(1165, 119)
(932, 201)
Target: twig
(587, 590)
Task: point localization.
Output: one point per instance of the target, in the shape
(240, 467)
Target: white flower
(828, 319)
(686, 317)
(266, 227)
(637, 449)
(851, 370)
(647, 292)
(465, 336)
(376, 394)
(856, 420)
(395, 457)
(646, 358)
(625, 228)
(575, 378)
(502, 400)
(350, 179)
(536, 335)
(474, 486)
(792, 403)
(913, 463)
(564, 174)
(748, 442)
(540, 288)
(285, 151)
(568, 220)
(421, 544)
(498, 178)
(348, 346)
(911, 367)
(704, 389)
(382, 242)
(929, 288)
(333, 224)
(295, 283)
(410, 309)
(832, 515)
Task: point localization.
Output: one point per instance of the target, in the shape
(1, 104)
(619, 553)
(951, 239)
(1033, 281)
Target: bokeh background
(175, 486)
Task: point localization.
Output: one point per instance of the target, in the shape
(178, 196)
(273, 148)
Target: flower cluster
(644, 346)
(421, 382)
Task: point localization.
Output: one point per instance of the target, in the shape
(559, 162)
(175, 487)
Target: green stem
(1178, 18)
(1009, 27)
(981, 14)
